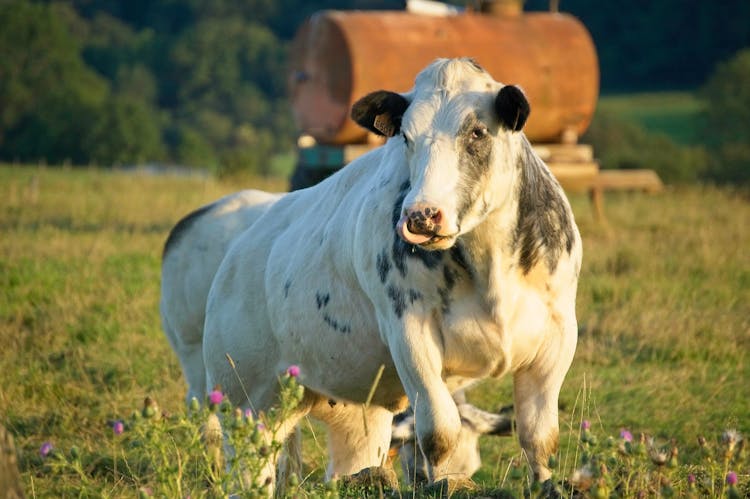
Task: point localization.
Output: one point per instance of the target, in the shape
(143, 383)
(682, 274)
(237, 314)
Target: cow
(192, 253)
(448, 255)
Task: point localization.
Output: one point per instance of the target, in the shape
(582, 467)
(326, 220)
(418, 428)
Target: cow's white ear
(380, 112)
(512, 107)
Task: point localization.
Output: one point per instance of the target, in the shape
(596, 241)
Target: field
(663, 307)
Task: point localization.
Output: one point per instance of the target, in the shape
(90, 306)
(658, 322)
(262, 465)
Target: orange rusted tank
(338, 57)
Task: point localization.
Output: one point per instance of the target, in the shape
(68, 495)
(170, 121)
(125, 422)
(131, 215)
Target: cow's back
(192, 254)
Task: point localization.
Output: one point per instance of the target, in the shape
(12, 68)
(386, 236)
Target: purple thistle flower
(260, 427)
(731, 478)
(585, 425)
(45, 449)
(118, 427)
(626, 435)
(293, 370)
(249, 414)
(215, 397)
(691, 479)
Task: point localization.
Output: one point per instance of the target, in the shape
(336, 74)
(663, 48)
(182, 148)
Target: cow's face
(457, 129)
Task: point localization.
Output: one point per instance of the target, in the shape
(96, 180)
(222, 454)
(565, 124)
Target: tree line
(203, 82)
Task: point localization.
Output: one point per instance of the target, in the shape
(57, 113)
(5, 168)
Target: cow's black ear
(380, 112)
(512, 107)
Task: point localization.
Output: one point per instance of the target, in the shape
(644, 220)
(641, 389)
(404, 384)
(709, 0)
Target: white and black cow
(192, 254)
(448, 255)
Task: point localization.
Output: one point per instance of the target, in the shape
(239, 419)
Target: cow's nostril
(436, 217)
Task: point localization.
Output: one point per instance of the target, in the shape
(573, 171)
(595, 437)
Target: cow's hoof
(451, 487)
(376, 476)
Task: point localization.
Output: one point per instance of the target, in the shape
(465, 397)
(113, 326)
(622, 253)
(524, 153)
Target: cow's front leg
(417, 351)
(536, 389)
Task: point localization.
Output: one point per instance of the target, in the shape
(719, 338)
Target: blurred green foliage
(683, 137)
(202, 83)
(727, 120)
(625, 143)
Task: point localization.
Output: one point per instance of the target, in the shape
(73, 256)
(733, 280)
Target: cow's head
(458, 131)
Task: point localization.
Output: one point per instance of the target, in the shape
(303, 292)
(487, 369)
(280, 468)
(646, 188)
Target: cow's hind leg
(358, 437)
(191, 358)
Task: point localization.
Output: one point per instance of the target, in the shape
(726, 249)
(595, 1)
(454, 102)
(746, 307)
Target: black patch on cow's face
(512, 108)
(544, 227)
(336, 325)
(475, 146)
(383, 265)
(322, 299)
(287, 285)
(401, 250)
(398, 300)
(414, 296)
(182, 227)
(380, 112)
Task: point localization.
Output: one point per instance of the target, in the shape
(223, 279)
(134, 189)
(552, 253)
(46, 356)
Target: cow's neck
(486, 251)
(525, 235)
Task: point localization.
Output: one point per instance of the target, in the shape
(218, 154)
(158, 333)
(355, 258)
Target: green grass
(663, 307)
(675, 114)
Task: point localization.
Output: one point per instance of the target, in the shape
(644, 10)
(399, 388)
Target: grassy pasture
(663, 307)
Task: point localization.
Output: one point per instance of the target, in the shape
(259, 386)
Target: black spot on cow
(287, 285)
(398, 300)
(459, 257)
(544, 227)
(414, 296)
(450, 276)
(403, 416)
(182, 227)
(445, 299)
(400, 250)
(331, 402)
(336, 325)
(383, 265)
(322, 299)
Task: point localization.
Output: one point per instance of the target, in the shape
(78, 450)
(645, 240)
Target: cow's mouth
(407, 230)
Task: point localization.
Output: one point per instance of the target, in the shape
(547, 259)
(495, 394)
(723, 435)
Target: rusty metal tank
(339, 56)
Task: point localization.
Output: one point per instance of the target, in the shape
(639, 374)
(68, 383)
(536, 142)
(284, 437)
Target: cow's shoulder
(545, 230)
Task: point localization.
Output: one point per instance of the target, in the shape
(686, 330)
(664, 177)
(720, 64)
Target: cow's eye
(478, 132)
